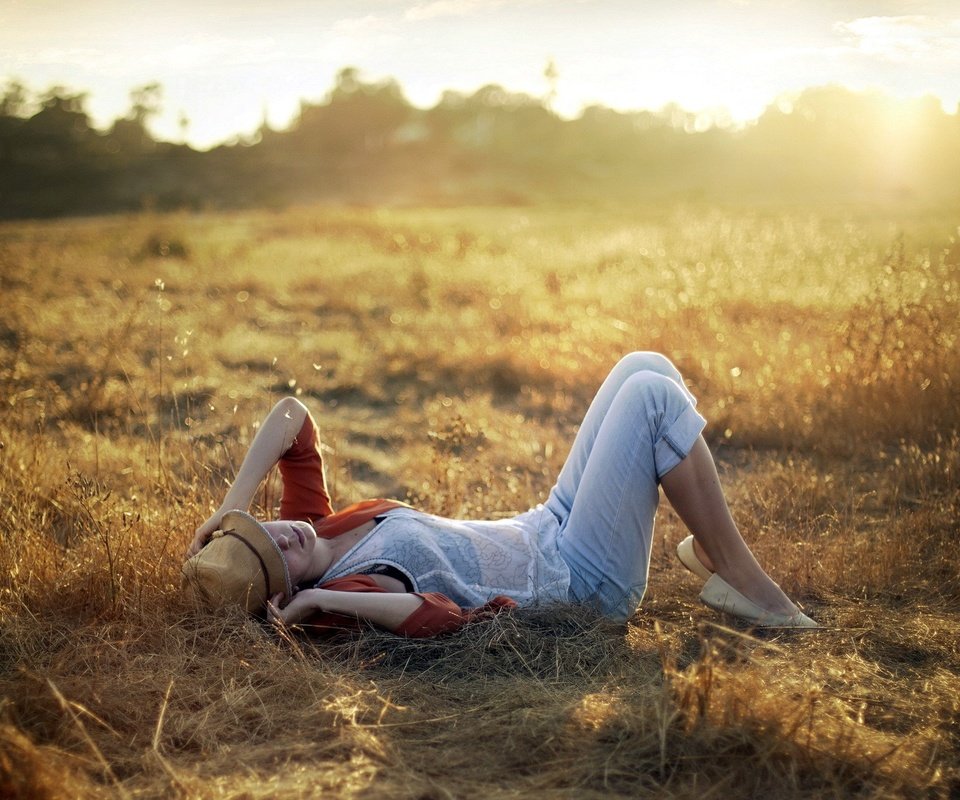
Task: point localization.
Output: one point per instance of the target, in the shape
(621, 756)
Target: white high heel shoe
(721, 596)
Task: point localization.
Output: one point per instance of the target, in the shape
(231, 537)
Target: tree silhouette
(364, 142)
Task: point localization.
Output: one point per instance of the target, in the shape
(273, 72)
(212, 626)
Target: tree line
(365, 143)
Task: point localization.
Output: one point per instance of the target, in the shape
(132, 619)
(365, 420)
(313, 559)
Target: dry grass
(439, 348)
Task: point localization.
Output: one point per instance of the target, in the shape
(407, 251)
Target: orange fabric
(305, 497)
(305, 494)
(353, 516)
(437, 614)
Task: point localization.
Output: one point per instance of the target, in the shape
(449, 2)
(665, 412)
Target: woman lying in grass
(420, 575)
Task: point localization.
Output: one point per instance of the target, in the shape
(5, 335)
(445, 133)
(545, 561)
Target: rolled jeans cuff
(675, 443)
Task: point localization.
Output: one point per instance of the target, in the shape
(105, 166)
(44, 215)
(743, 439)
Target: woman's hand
(202, 535)
(299, 608)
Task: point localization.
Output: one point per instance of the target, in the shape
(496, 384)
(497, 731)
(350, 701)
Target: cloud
(190, 53)
(204, 50)
(60, 56)
(902, 38)
(359, 25)
(451, 8)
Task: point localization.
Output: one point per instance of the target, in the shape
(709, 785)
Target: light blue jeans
(640, 425)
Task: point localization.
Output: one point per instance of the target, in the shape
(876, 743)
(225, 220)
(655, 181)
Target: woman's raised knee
(649, 361)
(654, 388)
(289, 405)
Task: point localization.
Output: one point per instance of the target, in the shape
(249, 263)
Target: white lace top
(468, 561)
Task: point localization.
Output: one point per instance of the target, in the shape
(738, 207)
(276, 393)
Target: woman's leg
(563, 493)
(693, 489)
(641, 430)
(640, 426)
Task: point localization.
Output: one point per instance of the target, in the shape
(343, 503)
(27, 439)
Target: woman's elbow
(290, 406)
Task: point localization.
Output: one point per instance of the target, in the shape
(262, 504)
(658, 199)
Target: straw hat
(241, 565)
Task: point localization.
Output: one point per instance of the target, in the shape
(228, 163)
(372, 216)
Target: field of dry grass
(448, 356)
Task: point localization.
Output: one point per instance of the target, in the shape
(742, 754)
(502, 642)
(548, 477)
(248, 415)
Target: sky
(225, 65)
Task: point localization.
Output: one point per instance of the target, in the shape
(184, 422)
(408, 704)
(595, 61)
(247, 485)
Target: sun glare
(900, 136)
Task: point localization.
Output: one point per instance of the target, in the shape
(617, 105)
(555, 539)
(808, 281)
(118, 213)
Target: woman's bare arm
(274, 438)
(388, 609)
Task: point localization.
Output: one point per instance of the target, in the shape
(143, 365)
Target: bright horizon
(224, 65)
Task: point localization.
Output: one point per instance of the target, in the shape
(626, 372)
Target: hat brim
(244, 527)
